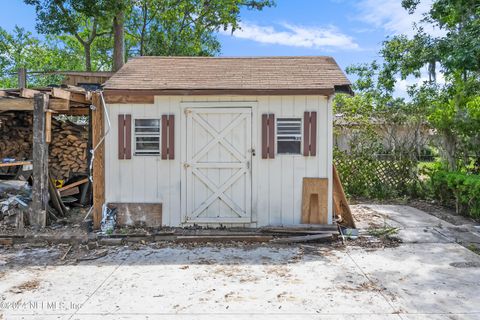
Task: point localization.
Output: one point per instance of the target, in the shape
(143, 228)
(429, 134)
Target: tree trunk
(88, 56)
(118, 41)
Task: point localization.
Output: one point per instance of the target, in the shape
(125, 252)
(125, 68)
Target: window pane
(292, 147)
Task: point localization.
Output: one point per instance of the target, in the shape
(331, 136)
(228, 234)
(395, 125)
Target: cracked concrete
(428, 276)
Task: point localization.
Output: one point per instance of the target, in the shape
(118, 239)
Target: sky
(351, 31)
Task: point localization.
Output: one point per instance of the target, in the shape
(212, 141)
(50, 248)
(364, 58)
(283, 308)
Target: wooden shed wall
(276, 183)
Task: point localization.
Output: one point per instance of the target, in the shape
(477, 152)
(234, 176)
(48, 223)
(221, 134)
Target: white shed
(219, 141)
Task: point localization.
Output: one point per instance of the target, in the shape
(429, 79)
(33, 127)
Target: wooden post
(39, 206)
(98, 161)
(22, 78)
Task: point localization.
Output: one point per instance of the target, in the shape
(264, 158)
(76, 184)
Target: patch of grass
(473, 248)
(383, 232)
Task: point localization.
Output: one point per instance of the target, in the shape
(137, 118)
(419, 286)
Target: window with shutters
(289, 135)
(147, 137)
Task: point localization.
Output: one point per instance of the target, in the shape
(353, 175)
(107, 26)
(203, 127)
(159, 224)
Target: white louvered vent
(289, 135)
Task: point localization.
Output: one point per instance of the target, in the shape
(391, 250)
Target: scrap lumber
(70, 192)
(330, 227)
(341, 209)
(223, 238)
(307, 238)
(298, 231)
(315, 200)
(28, 93)
(74, 184)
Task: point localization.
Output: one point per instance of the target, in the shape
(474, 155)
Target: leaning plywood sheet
(315, 200)
(340, 204)
(138, 214)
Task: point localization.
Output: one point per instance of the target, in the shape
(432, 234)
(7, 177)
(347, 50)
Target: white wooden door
(218, 165)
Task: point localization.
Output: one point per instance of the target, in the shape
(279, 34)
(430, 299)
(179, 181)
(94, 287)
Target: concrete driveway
(428, 276)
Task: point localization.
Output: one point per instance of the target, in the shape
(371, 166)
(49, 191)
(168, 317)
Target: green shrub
(458, 188)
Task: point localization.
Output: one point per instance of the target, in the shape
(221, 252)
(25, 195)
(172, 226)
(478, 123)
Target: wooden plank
(340, 204)
(138, 214)
(224, 238)
(15, 104)
(59, 105)
(72, 185)
(313, 237)
(315, 200)
(39, 205)
(303, 226)
(71, 96)
(70, 192)
(48, 127)
(127, 99)
(76, 111)
(99, 160)
(28, 93)
(17, 163)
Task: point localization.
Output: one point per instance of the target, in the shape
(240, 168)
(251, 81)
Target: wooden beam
(15, 104)
(124, 99)
(71, 96)
(59, 104)
(28, 93)
(98, 162)
(76, 112)
(39, 205)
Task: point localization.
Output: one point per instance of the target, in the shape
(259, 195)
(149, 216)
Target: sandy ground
(425, 276)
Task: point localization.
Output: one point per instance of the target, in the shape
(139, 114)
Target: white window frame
(277, 136)
(152, 153)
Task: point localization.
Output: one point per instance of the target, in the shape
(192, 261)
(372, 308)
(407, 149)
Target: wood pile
(67, 151)
(15, 135)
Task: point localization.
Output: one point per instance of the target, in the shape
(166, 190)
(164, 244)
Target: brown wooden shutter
(168, 137)
(121, 136)
(124, 136)
(164, 137)
(271, 136)
(313, 133)
(310, 133)
(171, 137)
(268, 136)
(128, 136)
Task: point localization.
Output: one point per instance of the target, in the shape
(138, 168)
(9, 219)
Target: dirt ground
(406, 264)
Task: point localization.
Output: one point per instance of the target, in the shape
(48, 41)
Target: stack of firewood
(68, 149)
(15, 135)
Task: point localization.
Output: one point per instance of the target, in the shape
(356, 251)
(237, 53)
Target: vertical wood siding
(276, 183)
